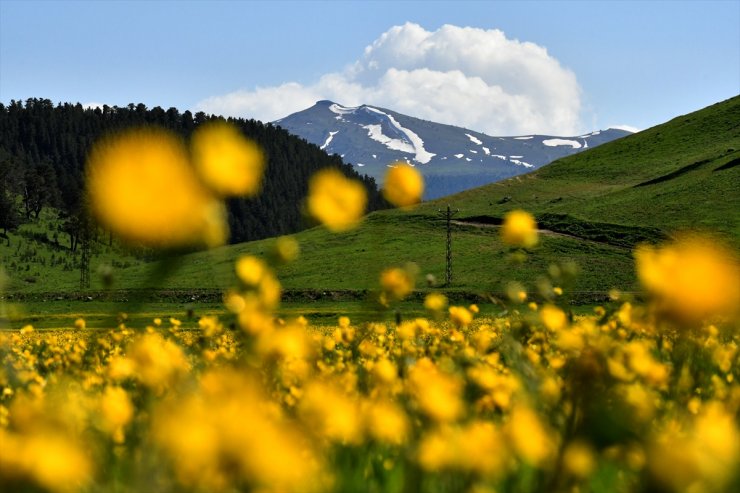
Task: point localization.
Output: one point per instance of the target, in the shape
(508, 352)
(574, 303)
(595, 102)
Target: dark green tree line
(43, 148)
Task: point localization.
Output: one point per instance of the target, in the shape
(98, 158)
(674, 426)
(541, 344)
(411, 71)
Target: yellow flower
(397, 283)
(460, 316)
(331, 413)
(289, 342)
(336, 201)
(251, 270)
(51, 459)
(286, 249)
(516, 292)
(579, 459)
(116, 410)
(403, 185)
(385, 371)
(158, 362)
(691, 278)
(702, 458)
(519, 229)
(387, 423)
(141, 186)
(228, 432)
(435, 302)
(529, 437)
(228, 163)
(478, 447)
(553, 317)
(437, 394)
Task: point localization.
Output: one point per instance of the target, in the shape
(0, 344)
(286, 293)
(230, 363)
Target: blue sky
(519, 67)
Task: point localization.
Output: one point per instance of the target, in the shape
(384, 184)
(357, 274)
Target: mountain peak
(451, 158)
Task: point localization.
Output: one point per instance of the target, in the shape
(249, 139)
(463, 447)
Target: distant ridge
(451, 158)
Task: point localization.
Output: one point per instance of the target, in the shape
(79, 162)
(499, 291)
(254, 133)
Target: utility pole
(448, 216)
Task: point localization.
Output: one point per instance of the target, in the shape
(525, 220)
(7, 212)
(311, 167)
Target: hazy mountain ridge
(451, 158)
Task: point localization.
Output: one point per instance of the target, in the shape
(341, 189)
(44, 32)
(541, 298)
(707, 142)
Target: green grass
(676, 176)
(354, 260)
(105, 315)
(37, 258)
(604, 201)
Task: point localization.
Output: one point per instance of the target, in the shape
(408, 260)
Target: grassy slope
(354, 260)
(592, 195)
(33, 261)
(600, 185)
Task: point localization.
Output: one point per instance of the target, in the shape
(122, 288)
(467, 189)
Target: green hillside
(595, 205)
(683, 174)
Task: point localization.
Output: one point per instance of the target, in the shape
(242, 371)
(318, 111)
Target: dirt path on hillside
(545, 232)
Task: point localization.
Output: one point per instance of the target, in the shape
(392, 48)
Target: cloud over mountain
(463, 76)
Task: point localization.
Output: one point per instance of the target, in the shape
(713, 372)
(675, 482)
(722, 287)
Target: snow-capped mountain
(450, 158)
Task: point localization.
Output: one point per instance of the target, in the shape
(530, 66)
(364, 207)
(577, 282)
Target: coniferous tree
(49, 144)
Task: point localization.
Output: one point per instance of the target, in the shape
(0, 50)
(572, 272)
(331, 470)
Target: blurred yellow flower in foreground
(159, 362)
(530, 438)
(336, 201)
(553, 317)
(437, 394)
(690, 278)
(141, 186)
(117, 411)
(228, 163)
(703, 457)
(50, 459)
(460, 316)
(251, 270)
(397, 283)
(579, 459)
(435, 302)
(286, 249)
(519, 229)
(403, 185)
(478, 447)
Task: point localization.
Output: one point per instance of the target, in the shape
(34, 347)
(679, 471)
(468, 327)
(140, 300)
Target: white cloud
(462, 76)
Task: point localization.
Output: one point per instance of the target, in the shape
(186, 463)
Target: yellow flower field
(640, 396)
(531, 401)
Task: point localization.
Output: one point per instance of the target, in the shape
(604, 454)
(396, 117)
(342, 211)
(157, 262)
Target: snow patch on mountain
(375, 132)
(474, 139)
(329, 139)
(341, 110)
(562, 142)
(524, 138)
(422, 155)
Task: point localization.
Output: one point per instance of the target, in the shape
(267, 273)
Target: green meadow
(593, 209)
